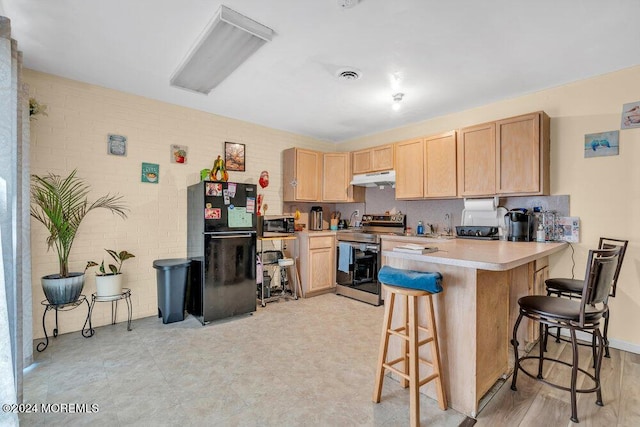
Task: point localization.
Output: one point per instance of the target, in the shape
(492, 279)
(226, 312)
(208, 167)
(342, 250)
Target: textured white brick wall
(74, 135)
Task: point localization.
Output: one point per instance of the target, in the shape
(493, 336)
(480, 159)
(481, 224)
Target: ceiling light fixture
(226, 42)
(396, 101)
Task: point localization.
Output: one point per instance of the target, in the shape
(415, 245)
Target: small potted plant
(109, 283)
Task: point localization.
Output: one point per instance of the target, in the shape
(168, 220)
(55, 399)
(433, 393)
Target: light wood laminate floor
(307, 362)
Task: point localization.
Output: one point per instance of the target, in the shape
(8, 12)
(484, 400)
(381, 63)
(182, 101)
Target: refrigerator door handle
(228, 236)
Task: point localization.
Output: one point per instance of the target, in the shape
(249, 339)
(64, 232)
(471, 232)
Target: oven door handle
(360, 246)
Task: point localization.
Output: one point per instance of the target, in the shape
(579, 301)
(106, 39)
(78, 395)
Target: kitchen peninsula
(476, 311)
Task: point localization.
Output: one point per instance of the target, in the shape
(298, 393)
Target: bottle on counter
(420, 228)
(540, 234)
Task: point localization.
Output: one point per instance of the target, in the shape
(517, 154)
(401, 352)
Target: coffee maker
(315, 218)
(519, 223)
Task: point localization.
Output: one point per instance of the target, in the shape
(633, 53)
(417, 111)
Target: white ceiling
(450, 55)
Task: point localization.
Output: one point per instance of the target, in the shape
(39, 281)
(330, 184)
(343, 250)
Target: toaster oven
(275, 225)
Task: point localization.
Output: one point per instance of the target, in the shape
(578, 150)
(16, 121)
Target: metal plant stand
(60, 307)
(113, 299)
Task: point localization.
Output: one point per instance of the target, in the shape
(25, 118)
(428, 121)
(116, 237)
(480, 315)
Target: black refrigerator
(221, 244)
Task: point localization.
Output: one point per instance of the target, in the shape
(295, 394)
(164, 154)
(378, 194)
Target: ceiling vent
(347, 4)
(348, 74)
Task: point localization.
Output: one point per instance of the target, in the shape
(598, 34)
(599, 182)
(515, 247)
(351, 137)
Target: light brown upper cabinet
(410, 169)
(440, 176)
(426, 167)
(373, 159)
(336, 176)
(477, 160)
(505, 157)
(522, 149)
(302, 175)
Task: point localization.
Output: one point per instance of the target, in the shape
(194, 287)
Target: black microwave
(275, 225)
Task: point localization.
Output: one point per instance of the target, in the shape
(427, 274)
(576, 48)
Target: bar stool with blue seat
(410, 286)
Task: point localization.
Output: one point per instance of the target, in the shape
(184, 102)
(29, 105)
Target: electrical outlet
(357, 212)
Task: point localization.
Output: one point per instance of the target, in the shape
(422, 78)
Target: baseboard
(613, 343)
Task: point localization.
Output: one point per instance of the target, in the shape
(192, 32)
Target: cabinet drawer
(321, 242)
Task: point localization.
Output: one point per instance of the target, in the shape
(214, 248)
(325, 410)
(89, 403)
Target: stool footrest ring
(558, 386)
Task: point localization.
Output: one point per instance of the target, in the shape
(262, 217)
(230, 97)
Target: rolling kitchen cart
(272, 259)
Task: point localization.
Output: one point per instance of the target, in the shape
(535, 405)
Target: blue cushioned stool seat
(411, 279)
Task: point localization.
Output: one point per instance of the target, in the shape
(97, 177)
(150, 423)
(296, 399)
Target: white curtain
(15, 261)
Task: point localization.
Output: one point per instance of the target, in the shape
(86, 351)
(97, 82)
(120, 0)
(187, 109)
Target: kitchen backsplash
(434, 211)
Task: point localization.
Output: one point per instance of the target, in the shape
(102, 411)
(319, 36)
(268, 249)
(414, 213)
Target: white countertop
(494, 255)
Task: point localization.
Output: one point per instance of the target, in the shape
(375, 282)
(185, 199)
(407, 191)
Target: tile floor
(307, 362)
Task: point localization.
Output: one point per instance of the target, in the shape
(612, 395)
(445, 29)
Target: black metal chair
(583, 315)
(572, 288)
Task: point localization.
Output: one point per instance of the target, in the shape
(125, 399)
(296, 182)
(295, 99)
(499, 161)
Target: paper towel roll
(481, 204)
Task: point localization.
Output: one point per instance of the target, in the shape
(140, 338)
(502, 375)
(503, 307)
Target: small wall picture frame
(116, 145)
(630, 115)
(179, 153)
(150, 173)
(234, 156)
(601, 144)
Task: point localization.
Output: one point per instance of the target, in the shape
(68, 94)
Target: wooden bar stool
(410, 286)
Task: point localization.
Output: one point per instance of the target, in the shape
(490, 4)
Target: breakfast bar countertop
(492, 255)
(475, 312)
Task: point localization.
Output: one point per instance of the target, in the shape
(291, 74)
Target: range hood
(375, 179)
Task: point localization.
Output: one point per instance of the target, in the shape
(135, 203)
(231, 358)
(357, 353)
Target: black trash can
(172, 286)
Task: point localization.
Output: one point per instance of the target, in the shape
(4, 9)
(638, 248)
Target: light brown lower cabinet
(317, 262)
(525, 280)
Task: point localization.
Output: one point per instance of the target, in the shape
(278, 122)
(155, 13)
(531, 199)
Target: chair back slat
(601, 268)
(608, 243)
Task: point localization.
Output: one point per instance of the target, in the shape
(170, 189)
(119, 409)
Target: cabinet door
(540, 275)
(308, 175)
(410, 169)
(477, 160)
(518, 155)
(440, 177)
(382, 158)
(321, 269)
(336, 175)
(361, 161)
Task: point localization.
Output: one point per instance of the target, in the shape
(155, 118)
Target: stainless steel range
(358, 256)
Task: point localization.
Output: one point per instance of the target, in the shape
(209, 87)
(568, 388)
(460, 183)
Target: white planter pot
(108, 286)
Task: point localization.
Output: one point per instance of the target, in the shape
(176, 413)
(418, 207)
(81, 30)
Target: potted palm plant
(109, 283)
(60, 204)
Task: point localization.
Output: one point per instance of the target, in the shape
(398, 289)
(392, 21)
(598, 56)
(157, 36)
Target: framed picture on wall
(117, 145)
(179, 153)
(234, 156)
(150, 173)
(630, 115)
(601, 144)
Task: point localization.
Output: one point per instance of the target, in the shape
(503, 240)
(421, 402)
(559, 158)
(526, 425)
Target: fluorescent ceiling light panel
(226, 42)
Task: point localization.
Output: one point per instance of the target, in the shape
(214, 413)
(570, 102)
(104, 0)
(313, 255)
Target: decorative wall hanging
(150, 173)
(179, 153)
(601, 144)
(234, 156)
(35, 109)
(117, 145)
(630, 115)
